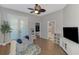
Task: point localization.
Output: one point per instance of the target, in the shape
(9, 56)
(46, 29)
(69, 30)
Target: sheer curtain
(19, 25)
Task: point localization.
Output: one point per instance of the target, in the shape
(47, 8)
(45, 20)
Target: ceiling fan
(37, 9)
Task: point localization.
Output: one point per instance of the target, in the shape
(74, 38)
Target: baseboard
(64, 51)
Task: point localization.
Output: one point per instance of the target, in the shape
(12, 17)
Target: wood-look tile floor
(48, 47)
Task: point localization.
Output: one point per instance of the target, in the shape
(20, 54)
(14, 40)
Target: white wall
(33, 21)
(57, 17)
(71, 19)
(71, 15)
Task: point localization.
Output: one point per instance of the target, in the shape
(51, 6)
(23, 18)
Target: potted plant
(5, 29)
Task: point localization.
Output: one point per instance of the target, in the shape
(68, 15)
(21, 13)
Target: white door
(51, 30)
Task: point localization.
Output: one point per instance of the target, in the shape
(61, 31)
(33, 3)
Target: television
(71, 33)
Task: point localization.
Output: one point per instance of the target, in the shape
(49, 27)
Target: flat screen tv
(71, 33)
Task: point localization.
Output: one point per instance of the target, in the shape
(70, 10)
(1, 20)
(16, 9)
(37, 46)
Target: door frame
(48, 26)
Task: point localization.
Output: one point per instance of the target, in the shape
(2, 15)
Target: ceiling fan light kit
(36, 11)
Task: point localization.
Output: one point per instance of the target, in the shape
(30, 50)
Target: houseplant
(5, 29)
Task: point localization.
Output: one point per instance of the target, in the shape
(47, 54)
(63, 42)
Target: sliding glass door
(23, 31)
(19, 26)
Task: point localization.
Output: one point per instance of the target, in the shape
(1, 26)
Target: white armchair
(22, 47)
(25, 48)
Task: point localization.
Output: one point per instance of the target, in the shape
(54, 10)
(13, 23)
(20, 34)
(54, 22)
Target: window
(19, 25)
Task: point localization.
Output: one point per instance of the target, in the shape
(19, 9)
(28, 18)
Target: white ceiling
(50, 8)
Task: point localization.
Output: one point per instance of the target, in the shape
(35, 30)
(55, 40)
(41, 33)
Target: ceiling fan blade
(42, 10)
(31, 11)
(30, 8)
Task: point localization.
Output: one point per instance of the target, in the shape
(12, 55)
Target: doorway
(51, 30)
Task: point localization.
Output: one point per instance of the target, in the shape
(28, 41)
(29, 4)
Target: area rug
(32, 49)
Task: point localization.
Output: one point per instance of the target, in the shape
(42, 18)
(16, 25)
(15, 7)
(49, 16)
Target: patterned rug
(32, 49)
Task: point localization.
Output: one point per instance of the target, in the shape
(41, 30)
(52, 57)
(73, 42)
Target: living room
(63, 15)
